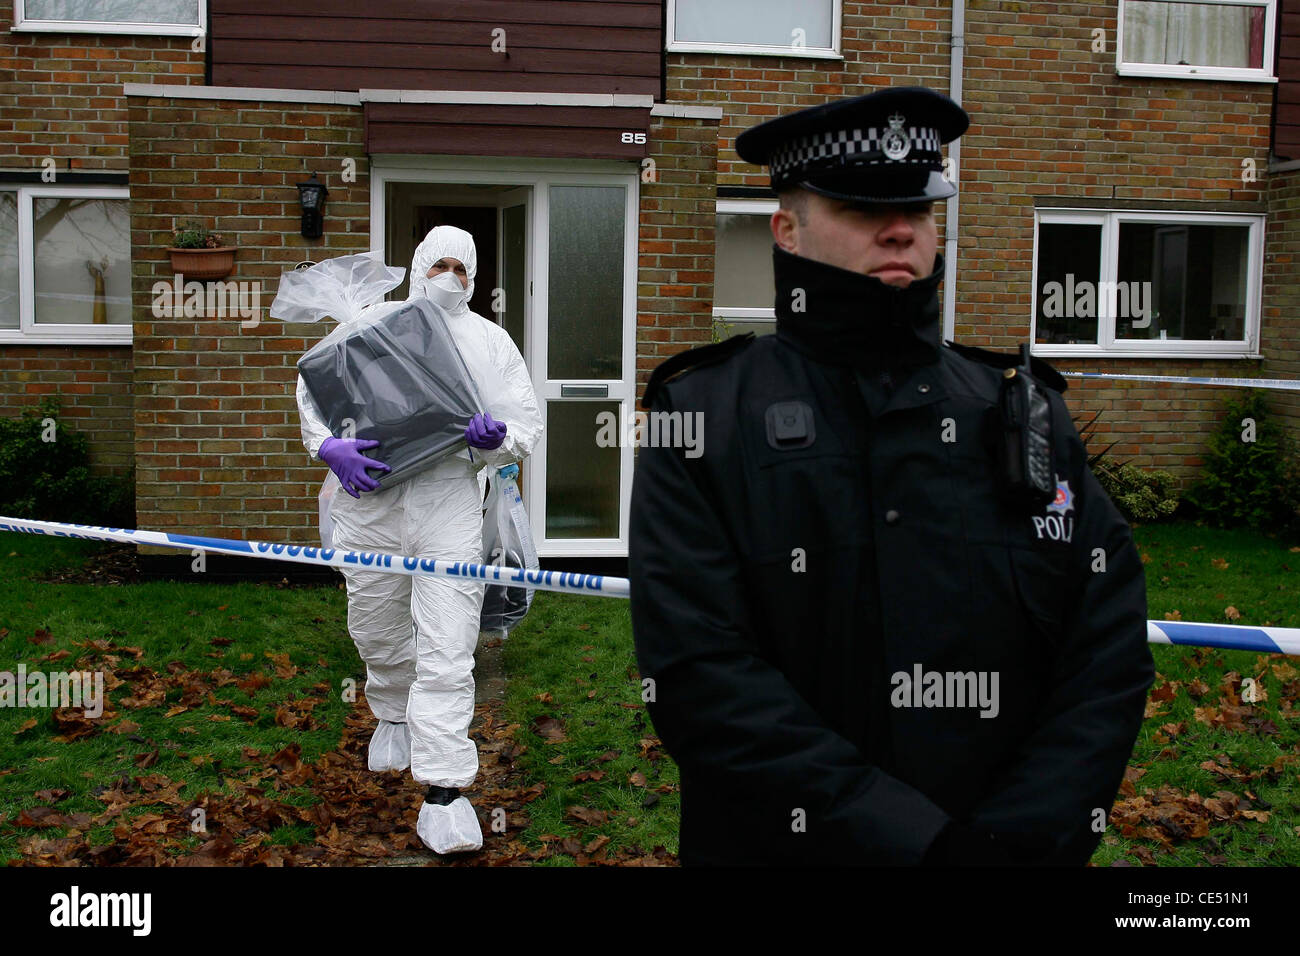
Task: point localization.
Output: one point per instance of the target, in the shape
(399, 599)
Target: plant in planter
(199, 254)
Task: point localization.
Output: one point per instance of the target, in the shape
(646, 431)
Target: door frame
(538, 174)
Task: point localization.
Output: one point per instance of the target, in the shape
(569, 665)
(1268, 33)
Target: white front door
(565, 267)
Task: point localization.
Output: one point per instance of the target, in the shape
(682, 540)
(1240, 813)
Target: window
(157, 17)
(743, 285)
(1152, 284)
(65, 265)
(776, 27)
(1225, 40)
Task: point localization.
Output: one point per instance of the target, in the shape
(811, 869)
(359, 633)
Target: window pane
(83, 260)
(729, 328)
(1069, 262)
(581, 477)
(754, 22)
(585, 295)
(8, 260)
(743, 267)
(115, 11)
(1194, 34)
(1193, 276)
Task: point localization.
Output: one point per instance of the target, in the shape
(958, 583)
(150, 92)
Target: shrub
(1140, 495)
(51, 480)
(1250, 483)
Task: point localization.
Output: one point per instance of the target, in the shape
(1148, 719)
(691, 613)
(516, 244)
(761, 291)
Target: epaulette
(1042, 371)
(683, 362)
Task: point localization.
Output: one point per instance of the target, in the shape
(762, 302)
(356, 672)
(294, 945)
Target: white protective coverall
(417, 635)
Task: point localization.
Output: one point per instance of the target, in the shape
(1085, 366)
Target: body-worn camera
(1025, 415)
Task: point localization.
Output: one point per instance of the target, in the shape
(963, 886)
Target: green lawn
(217, 678)
(576, 694)
(208, 672)
(1198, 573)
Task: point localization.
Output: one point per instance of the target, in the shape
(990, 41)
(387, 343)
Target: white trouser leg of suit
(444, 519)
(379, 618)
(428, 682)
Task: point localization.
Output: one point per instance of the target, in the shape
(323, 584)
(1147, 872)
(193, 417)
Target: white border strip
(506, 98)
(182, 91)
(1282, 384)
(687, 111)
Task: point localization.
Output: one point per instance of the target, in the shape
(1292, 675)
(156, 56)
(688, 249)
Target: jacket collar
(848, 318)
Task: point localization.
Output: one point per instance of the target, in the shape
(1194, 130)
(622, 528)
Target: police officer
(889, 615)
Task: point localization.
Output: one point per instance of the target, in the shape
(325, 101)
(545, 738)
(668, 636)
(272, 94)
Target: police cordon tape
(1268, 640)
(1233, 637)
(565, 581)
(1284, 384)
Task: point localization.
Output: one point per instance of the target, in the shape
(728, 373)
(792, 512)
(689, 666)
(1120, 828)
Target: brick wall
(93, 384)
(62, 92)
(1049, 118)
(675, 242)
(215, 415)
(1281, 335)
(62, 96)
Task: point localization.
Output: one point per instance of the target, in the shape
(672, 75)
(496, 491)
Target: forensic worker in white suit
(417, 634)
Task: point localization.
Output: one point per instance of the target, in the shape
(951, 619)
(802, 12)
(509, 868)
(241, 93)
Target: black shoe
(441, 795)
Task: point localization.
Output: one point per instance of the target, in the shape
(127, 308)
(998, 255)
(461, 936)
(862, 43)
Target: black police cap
(878, 148)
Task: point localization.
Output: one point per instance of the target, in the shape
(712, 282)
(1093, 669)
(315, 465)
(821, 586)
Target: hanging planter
(199, 254)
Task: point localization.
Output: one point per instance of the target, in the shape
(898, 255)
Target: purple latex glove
(483, 431)
(344, 457)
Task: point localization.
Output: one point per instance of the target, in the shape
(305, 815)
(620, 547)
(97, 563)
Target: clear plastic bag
(341, 287)
(508, 542)
(324, 501)
(390, 372)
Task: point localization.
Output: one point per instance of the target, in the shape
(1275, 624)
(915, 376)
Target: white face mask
(445, 290)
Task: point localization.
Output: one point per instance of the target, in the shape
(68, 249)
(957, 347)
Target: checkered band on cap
(832, 149)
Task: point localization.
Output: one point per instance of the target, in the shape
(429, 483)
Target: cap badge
(895, 143)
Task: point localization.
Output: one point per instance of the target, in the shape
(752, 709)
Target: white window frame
(1175, 71)
(743, 207)
(833, 52)
(1107, 345)
(22, 23)
(29, 331)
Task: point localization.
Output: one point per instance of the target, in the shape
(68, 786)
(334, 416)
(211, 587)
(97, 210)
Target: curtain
(754, 22)
(115, 11)
(1194, 34)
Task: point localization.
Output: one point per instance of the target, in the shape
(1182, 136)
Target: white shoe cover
(449, 829)
(390, 747)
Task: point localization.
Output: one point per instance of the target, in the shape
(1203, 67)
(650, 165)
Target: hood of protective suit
(451, 242)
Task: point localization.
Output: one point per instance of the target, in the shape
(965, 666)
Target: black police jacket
(819, 589)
